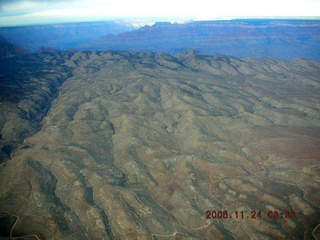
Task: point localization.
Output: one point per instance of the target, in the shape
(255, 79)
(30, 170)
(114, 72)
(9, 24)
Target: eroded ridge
(28, 85)
(143, 145)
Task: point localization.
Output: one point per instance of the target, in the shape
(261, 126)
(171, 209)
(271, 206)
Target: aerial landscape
(148, 126)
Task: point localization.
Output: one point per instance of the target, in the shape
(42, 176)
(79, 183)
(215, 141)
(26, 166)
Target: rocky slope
(8, 50)
(28, 84)
(143, 145)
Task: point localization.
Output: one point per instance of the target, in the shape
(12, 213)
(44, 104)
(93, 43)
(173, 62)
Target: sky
(26, 12)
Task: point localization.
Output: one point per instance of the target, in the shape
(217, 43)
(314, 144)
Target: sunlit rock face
(150, 146)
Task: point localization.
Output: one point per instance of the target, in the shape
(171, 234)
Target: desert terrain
(145, 145)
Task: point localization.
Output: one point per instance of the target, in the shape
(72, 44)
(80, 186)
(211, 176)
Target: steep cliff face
(151, 146)
(285, 39)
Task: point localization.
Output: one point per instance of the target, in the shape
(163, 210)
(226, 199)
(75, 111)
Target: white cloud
(59, 10)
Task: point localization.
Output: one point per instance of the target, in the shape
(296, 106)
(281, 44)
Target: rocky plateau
(144, 145)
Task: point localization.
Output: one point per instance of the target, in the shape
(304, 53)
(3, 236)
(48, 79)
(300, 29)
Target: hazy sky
(23, 12)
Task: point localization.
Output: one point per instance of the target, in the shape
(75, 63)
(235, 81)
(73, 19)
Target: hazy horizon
(140, 22)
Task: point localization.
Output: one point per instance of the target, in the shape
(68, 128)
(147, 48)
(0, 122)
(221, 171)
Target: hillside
(260, 38)
(28, 84)
(143, 145)
(8, 50)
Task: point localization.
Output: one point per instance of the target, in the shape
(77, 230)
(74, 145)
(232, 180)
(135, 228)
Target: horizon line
(152, 20)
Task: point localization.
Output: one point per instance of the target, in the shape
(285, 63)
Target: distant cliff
(60, 36)
(286, 39)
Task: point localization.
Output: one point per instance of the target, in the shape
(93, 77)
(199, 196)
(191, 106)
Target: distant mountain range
(285, 39)
(259, 38)
(60, 36)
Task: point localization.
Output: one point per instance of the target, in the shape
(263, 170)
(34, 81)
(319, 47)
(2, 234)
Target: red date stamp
(271, 214)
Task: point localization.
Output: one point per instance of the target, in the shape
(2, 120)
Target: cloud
(16, 6)
(8, 2)
(27, 11)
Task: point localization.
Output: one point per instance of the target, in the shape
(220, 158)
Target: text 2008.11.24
(271, 214)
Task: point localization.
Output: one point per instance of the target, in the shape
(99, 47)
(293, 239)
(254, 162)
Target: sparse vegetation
(141, 145)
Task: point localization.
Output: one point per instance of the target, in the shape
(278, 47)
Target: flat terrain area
(143, 145)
